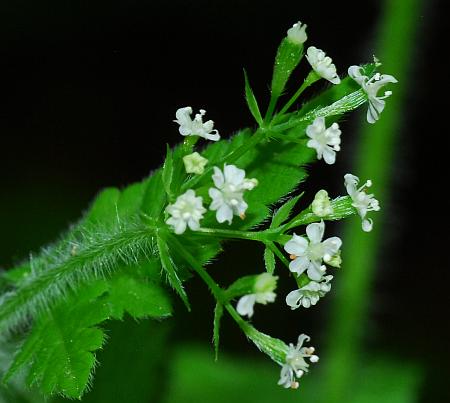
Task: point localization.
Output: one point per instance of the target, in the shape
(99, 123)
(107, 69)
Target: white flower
(196, 127)
(186, 211)
(309, 294)
(228, 199)
(194, 163)
(325, 141)
(264, 288)
(322, 64)
(309, 255)
(371, 87)
(321, 205)
(296, 365)
(362, 201)
(297, 34)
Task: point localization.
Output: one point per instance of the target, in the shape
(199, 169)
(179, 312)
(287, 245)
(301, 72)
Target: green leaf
(167, 172)
(60, 347)
(62, 343)
(269, 260)
(171, 271)
(251, 101)
(133, 292)
(218, 313)
(282, 214)
(154, 199)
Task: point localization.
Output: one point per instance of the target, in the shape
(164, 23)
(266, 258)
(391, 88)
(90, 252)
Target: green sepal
(342, 208)
(242, 286)
(288, 57)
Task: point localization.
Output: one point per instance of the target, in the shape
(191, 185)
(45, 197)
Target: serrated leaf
(218, 312)
(252, 103)
(137, 295)
(171, 271)
(269, 260)
(60, 347)
(282, 214)
(62, 344)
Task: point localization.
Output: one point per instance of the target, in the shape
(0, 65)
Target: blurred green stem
(395, 47)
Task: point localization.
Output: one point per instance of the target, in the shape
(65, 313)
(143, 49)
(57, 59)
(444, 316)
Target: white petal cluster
(297, 34)
(325, 141)
(321, 205)
(194, 163)
(187, 210)
(362, 201)
(227, 196)
(322, 64)
(371, 86)
(309, 294)
(296, 365)
(264, 292)
(308, 254)
(195, 127)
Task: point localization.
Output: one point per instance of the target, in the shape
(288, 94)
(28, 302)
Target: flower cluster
(371, 86)
(325, 141)
(309, 294)
(310, 255)
(195, 127)
(295, 365)
(322, 64)
(227, 200)
(361, 201)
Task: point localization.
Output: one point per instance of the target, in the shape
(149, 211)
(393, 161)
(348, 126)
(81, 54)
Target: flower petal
(315, 231)
(293, 299)
(245, 305)
(296, 246)
(224, 213)
(299, 265)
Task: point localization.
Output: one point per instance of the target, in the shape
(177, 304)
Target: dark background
(88, 92)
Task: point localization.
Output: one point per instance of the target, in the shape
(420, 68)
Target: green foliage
(269, 260)
(60, 347)
(252, 103)
(282, 214)
(171, 271)
(111, 262)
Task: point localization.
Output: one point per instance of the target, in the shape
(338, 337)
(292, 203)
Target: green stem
(236, 234)
(215, 289)
(309, 80)
(271, 108)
